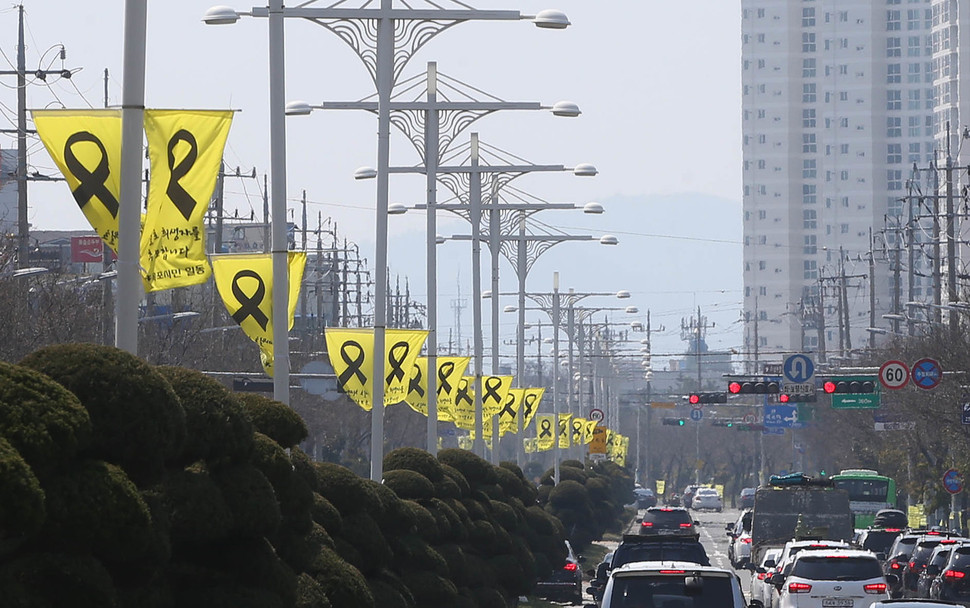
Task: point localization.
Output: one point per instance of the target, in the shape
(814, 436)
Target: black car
(565, 584)
(934, 566)
(746, 498)
(666, 520)
(879, 541)
(645, 498)
(953, 583)
(897, 558)
(636, 548)
(918, 561)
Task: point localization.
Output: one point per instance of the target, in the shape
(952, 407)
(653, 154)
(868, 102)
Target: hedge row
(123, 484)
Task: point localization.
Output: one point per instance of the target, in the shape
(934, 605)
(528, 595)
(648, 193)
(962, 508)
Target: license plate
(836, 602)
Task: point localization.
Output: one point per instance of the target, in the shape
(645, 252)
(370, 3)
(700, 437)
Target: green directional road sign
(846, 401)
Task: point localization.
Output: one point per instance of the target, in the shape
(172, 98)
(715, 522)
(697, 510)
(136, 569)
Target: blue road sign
(696, 415)
(927, 373)
(965, 417)
(780, 416)
(773, 431)
(953, 481)
(798, 369)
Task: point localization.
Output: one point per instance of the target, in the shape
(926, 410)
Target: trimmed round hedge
(417, 460)
(42, 420)
(22, 510)
(273, 419)
(137, 420)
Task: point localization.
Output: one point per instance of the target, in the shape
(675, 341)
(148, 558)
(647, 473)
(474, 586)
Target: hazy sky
(658, 83)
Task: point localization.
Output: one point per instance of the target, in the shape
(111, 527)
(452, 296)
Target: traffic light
(849, 385)
(753, 388)
(723, 422)
(696, 398)
(673, 422)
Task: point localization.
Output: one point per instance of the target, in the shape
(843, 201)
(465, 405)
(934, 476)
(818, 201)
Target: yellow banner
(531, 445)
(545, 436)
(494, 391)
(530, 405)
(86, 147)
(463, 412)
(450, 372)
(417, 397)
(564, 429)
(598, 444)
(465, 442)
(619, 455)
(185, 152)
(661, 486)
(508, 417)
(579, 430)
(351, 354)
(245, 282)
(588, 431)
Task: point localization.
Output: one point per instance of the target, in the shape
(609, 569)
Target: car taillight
(746, 541)
(799, 587)
(686, 525)
(671, 571)
(571, 567)
(762, 576)
(913, 568)
(894, 566)
(875, 588)
(953, 574)
(647, 524)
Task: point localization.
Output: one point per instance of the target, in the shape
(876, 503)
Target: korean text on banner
(185, 151)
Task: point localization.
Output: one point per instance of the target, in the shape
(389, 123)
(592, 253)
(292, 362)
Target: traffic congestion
(798, 544)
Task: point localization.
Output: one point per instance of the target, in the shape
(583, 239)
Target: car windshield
(825, 568)
(864, 490)
(666, 591)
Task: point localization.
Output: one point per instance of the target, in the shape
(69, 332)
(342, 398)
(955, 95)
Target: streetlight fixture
(385, 39)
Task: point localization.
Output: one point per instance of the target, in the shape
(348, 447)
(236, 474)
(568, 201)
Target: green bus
(869, 492)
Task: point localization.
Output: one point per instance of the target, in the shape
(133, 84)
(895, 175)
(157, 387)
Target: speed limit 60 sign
(894, 374)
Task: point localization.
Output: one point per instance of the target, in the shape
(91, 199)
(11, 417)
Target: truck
(803, 508)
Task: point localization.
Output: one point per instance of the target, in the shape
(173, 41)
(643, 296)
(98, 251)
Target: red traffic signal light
(783, 398)
(734, 388)
(694, 399)
(753, 388)
(850, 385)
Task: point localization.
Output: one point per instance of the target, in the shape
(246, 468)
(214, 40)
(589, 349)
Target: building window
(808, 119)
(844, 229)
(811, 269)
(844, 149)
(808, 68)
(893, 22)
(808, 194)
(808, 92)
(913, 156)
(894, 179)
(894, 73)
(808, 17)
(762, 291)
(811, 246)
(809, 219)
(762, 265)
(894, 126)
(894, 47)
(808, 42)
(809, 145)
(844, 175)
(809, 170)
(894, 99)
(914, 73)
(914, 100)
(894, 155)
(915, 126)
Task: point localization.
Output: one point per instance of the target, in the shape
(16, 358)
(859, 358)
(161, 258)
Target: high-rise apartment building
(838, 105)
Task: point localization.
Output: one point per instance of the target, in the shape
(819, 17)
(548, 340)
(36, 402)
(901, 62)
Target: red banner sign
(86, 249)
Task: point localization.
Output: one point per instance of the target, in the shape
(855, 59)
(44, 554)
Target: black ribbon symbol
(92, 183)
(447, 368)
(545, 428)
(249, 305)
(492, 384)
(415, 385)
(530, 403)
(577, 429)
(182, 200)
(463, 395)
(353, 365)
(397, 371)
(507, 410)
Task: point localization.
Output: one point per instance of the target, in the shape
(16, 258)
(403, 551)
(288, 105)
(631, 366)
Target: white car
(759, 593)
(706, 498)
(739, 549)
(675, 584)
(788, 553)
(831, 578)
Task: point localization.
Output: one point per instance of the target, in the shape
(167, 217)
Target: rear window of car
(826, 568)
(923, 551)
(648, 552)
(879, 542)
(747, 492)
(961, 558)
(673, 591)
(666, 519)
(905, 546)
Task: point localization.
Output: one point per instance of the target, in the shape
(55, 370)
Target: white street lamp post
(383, 59)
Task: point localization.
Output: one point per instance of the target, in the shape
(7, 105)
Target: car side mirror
(770, 563)
(697, 522)
(881, 556)
(638, 520)
(729, 527)
(932, 570)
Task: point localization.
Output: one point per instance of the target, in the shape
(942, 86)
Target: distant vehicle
(837, 578)
(869, 492)
(565, 584)
(919, 560)
(878, 540)
(739, 549)
(759, 593)
(666, 520)
(953, 583)
(913, 603)
(934, 566)
(680, 584)
(746, 498)
(706, 499)
(645, 498)
(688, 495)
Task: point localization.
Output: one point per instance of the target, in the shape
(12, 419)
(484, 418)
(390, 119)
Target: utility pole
(951, 247)
(845, 304)
(872, 292)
